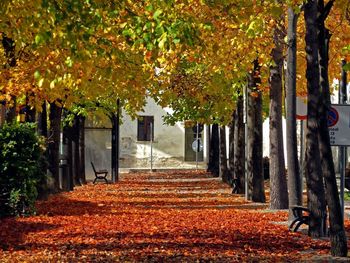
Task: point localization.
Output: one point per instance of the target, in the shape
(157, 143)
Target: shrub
(21, 162)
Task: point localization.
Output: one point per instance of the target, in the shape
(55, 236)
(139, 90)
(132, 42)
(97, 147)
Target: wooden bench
(302, 216)
(100, 174)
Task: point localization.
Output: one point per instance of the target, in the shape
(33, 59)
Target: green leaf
(346, 67)
(37, 75)
(277, 11)
(40, 82)
(38, 39)
(150, 46)
(163, 40)
(69, 62)
(157, 13)
(149, 8)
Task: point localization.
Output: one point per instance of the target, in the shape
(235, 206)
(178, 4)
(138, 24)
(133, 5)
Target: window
(144, 124)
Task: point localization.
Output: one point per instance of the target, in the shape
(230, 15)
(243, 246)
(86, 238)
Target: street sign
(339, 125)
(197, 145)
(333, 117)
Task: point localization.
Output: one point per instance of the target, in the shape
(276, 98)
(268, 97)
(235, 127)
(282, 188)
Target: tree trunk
(76, 152)
(43, 189)
(64, 165)
(30, 112)
(42, 121)
(2, 113)
(337, 230)
(70, 136)
(231, 150)
(82, 148)
(54, 142)
(239, 150)
(10, 53)
(313, 171)
(256, 191)
(11, 110)
(278, 180)
(294, 179)
(214, 151)
(223, 154)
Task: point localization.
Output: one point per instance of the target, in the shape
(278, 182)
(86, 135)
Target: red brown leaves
(172, 217)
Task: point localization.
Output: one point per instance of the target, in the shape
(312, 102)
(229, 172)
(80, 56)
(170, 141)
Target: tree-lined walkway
(169, 217)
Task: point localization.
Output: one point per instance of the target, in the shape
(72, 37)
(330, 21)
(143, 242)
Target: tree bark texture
(82, 149)
(313, 171)
(231, 150)
(42, 121)
(239, 149)
(336, 230)
(69, 134)
(43, 189)
(214, 151)
(256, 191)
(54, 142)
(223, 154)
(278, 180)
(30, 112)
(10, 53)
(76, 152)
(294, 178)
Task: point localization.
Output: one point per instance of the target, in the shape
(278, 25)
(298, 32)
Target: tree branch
(327, 9)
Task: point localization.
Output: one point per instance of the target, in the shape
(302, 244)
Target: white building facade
(146, 142)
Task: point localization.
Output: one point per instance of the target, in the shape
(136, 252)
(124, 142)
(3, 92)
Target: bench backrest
(93, 167)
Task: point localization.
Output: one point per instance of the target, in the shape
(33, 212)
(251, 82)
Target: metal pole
(151, 134)
(342, 149)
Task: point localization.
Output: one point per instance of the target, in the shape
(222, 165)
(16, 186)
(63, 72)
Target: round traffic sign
(197, 145)
(333, 117)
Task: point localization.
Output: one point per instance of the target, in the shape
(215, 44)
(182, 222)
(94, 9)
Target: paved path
(160, 217)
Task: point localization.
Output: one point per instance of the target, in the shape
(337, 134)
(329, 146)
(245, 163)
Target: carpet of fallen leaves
(177, 216)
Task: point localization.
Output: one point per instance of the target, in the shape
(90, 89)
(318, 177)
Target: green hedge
(21, 162)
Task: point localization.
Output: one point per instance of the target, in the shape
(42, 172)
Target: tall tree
(76, 151)
(256, 191)
(239, 148)
(336, 218)
(82, 149)
(231, 149)
(214, 151)
(54, 142)
(223, 154)
(11, 61)
(278, 181)
(313, 171)
(294, 178)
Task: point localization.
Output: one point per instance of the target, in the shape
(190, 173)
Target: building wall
(167, 147)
